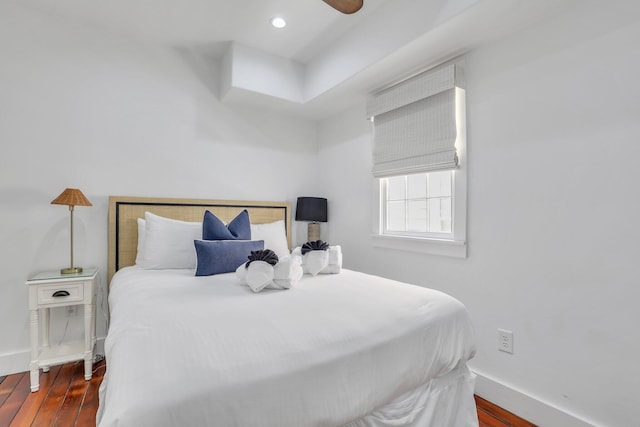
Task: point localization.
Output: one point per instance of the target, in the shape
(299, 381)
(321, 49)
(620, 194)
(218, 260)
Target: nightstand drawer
(60, 294)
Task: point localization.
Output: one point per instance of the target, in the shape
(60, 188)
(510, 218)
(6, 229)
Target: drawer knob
(60, 294)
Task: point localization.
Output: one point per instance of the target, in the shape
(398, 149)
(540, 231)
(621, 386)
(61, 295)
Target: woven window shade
(415, 125)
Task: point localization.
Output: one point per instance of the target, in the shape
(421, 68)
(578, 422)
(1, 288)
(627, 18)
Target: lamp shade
(311, 209)
(71, 197)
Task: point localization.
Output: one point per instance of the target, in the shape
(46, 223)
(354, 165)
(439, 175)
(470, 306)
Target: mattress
(335, 350)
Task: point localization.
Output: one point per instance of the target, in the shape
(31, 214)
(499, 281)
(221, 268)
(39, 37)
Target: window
(419, 162)
(418, 204)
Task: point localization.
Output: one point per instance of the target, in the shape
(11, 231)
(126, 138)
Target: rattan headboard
(124, 211)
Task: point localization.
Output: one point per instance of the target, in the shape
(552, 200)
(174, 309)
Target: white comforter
(207, 351)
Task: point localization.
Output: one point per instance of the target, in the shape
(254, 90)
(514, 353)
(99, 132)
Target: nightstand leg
(88, 350)
(33, 366)
(93, 323)
(45, 332)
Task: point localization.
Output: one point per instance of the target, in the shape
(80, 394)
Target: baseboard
(526, 406)
(13, 363)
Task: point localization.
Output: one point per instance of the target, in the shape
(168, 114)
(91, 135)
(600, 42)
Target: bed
(346, 349)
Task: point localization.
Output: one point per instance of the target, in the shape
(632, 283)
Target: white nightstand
(52, 289)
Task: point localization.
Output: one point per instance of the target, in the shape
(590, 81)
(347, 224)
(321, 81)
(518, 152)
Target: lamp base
(71, 270)
(313, 232)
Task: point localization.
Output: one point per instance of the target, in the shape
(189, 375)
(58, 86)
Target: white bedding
(334, 350)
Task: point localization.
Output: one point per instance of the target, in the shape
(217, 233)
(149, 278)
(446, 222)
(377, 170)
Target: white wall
(553, 143)
(82, 108)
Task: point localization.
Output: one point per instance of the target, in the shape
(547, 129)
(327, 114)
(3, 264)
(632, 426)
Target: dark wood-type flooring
(490, 415)
(65, 399)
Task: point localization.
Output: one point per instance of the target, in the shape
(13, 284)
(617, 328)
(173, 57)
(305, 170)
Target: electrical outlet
(505, 341)
(72, 310)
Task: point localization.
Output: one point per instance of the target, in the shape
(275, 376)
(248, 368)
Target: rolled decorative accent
(266, 255)
(317, 245)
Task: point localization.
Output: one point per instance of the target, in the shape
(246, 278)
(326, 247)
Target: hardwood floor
(490, 415)
(65, 399)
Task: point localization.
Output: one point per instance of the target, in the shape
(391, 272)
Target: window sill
(448, 248)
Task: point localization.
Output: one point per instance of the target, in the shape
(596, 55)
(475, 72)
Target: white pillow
(274, 235)
(140, 249)
(168, 243)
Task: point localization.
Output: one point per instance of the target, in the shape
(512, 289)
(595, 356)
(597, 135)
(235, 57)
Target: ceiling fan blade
(345, 6)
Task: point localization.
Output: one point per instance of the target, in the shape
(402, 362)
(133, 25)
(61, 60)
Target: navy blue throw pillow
(223, 256)
(238, 229)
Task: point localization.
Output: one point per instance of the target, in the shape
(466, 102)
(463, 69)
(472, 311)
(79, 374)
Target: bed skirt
(443, 401)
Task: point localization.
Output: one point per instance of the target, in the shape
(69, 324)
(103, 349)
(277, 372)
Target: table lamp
(312, 209)
(71, 197)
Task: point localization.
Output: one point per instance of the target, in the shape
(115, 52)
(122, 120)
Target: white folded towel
(315, 261)
(260, 275)
(287, 272)
(321, 262)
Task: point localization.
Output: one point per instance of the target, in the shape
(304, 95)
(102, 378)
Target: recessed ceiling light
(278, 22)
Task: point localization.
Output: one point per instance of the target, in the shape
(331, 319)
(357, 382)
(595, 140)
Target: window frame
(454, 244)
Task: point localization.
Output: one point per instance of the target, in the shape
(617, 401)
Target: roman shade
(415, 124)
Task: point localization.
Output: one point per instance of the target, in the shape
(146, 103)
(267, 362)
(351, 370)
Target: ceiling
(329, 60)
(312, 24)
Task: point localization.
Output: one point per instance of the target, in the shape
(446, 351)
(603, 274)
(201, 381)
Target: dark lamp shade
(311, 209)
(71, 197)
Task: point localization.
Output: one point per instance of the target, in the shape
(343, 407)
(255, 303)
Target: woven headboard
(124, 212)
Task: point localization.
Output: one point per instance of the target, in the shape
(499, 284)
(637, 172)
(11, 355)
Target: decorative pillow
(223, 256)
(168, 243)
(274, 235)
(214, 229)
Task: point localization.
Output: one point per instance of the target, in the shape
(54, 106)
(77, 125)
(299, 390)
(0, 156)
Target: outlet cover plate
(505, 341)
